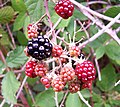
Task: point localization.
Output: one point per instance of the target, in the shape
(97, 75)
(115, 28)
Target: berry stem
(56, 99)
(82, 98)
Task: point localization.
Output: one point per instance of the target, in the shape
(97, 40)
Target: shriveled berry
(74, 51)
(30, 69)
(32, 31)
(85, 71)
(57, 84)
(41, 69)
(64, 8)
(57, 51)
(67, 73)
(74, 86)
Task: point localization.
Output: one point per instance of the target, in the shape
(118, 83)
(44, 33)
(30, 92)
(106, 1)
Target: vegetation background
(97, 23)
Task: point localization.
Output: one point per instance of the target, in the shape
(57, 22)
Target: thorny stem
(11, 36)
(101, 32)
(82, 98)
(63, 100)
(93, 12)
(117, 83)
(56, 99)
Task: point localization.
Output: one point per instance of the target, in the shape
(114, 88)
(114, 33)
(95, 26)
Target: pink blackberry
(74, 51)
(57, 51)
(45, 81)
(87, 85)
(85, 71)
(64, 8)
(67, 73)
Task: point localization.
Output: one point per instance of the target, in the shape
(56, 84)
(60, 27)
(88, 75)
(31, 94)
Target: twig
(63, 100)
(101, 32)
(56, 99)
(83, 8)
(11, 35)
(21, 87)
(95, 2)
(117, 83)
(3, 102)
(82, 98)
(4, 3)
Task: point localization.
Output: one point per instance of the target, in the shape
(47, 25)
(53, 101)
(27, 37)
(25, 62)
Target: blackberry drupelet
(39, 48)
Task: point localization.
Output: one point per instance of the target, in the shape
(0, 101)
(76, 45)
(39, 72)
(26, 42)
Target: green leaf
(19, 22)
(108, 76)
(2, 67)
(10, 86)
(4, 39)
(22, 38)
(115, 102)
(26, 23)
(113, 11)
(113, 51)
(16, 58)
(79, 15)
(6, 14)
(62, 24)
(98, 105)
(86, 93)
(46, 98)
(18, 5)
(73, 100)
(100, 52)
(97, 98)
(35, 9)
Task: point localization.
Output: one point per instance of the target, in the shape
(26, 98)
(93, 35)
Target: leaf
(115, 102)
(6, 14)
(97, 98)
(113, 51)
(4, 40)
(2, 67)
(62, 24)
(79, 15)
(16, 58)
(22, 38)
(46, 98)
(19, 22)
(10, 86)
(100, 52)
(113, 11)
(18, 5)
(86, 93)
(98, 105)
(35, 9)
(108, 76)
(73, 100)
(26, 23)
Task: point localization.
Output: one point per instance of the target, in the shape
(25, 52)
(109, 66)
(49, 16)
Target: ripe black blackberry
(39, 48)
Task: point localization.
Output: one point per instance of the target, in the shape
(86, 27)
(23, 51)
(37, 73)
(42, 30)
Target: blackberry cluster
(39, 48)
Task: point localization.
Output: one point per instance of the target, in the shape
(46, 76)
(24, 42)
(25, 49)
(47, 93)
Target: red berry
(30, 69)
(58, 84)
(87, 85)
(32, 31)
(67, 73)
(41, 69)
(85, 71)
(57, 51)
(45, 81)
(64, 8)
(74, 51)
(74, 86)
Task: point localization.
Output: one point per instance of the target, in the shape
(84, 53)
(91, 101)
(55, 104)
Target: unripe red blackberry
(57, 84)
(67, 73)
(74, 86)
(85, 71)
(57, 51)
(87, 85)
(30, 69)
(32, 31)
(74, 51)
(64, 8)
(45, 81)
(41, 69)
